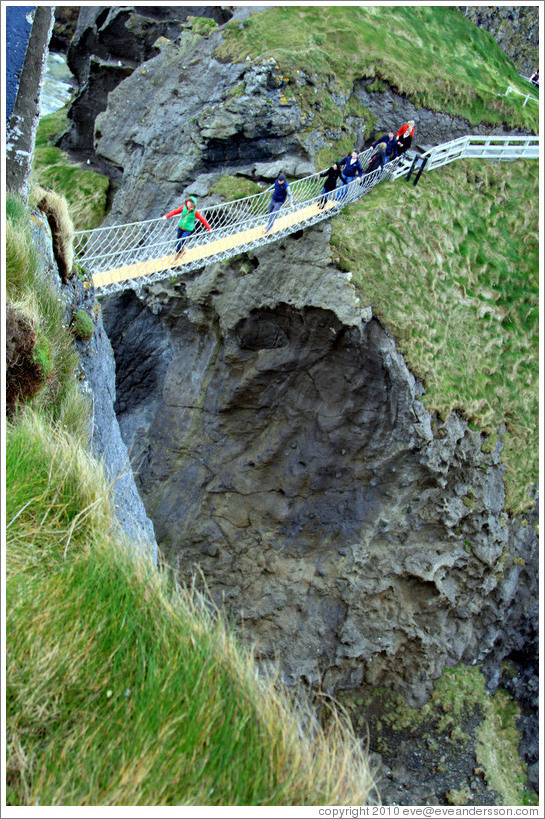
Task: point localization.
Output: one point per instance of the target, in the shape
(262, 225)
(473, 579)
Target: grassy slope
(433, 54)
(120, 689)
(451, 266)
(85, 191)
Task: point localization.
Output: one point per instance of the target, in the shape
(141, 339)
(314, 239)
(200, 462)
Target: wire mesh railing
(140, 253)
(146, 250)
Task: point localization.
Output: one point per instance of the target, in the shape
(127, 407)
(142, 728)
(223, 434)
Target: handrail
(477, 146)
(511, 90)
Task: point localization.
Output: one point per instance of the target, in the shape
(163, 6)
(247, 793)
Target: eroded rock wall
(97, 377)
(282, 450)
(107, 45)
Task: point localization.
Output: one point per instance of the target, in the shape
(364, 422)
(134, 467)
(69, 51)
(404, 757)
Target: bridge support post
(419, 162)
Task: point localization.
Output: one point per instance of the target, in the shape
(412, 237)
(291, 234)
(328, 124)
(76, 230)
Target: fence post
(423, 161)
(411, 169)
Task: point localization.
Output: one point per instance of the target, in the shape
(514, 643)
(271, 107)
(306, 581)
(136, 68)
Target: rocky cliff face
(107, 45)
(98, 380)
(514, 28)
(64, 28)
(185, 118)
(281, 449)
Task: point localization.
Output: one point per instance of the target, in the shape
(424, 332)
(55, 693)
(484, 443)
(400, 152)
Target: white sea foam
(58, 85)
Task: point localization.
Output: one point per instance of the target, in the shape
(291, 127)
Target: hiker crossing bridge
(131, 255)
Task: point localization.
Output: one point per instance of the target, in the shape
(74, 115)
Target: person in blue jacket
(350, 168)
(391, 145)
(281, 190)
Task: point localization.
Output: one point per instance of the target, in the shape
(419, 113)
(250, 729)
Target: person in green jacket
(186, 224)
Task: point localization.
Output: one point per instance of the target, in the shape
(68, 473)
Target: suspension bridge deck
(203, 251)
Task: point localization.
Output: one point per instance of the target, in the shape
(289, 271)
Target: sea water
(58, 86)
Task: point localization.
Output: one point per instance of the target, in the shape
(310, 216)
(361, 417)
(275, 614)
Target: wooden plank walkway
(204, 251)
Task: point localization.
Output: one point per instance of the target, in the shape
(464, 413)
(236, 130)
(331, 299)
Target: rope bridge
(121, 256)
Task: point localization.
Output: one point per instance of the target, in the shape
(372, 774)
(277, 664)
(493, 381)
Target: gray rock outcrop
(64, 28)
(432, 127)
(282, 451)
(107, 45)
(206, 118)
(98, 365)
(185, 118)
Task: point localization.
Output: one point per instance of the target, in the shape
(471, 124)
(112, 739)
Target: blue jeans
(274, 207)
(345, 180)
(181, 235)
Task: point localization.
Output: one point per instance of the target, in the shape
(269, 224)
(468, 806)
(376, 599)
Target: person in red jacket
(186, 224)
(404, 137)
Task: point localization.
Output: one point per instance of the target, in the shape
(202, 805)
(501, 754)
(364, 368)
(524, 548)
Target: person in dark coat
(391, 145)
(534, 79)
(404, 137)
(378, 160)
(332, 175)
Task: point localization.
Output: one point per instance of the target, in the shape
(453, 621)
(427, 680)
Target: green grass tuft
(231, 188)
(201, 25)
(82, 325)
(27, 289)
(459, 698)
